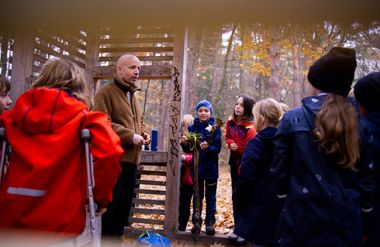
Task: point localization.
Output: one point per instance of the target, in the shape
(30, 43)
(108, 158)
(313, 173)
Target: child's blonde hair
(266, 112)
(187, 120)
(66, 75)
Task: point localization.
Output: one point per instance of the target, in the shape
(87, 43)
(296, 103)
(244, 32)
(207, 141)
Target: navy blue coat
(370, 155)
(208, 159)
(322, 204)
(255, 193)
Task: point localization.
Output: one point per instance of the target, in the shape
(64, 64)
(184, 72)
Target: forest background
(259, 60)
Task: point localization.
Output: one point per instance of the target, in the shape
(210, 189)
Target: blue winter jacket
(322, 204)
(370, 156)
(208, 159)
(255, 193)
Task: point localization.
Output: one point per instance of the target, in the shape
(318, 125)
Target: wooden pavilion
(93, 35)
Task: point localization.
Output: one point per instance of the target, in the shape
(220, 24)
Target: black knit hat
(367, 92)
(334, 72)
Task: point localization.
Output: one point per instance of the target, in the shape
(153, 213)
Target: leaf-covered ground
(224, 217)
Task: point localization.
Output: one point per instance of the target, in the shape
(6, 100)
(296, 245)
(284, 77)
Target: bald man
(118, 101)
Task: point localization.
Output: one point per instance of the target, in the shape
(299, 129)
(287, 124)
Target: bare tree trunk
(274, 79)
(221, 93)
(297, 77)
(216, 71)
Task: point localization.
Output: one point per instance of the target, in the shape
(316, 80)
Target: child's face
(6, 101)
(239, 107)
(184, 126)
(203, 114)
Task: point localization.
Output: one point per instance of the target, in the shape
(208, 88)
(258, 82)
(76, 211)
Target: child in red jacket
(239, 130)
(44, 190)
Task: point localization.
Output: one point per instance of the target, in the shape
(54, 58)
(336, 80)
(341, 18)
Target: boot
(210, 230)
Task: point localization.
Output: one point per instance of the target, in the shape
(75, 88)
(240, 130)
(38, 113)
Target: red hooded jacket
(45, 187)
(239, 134)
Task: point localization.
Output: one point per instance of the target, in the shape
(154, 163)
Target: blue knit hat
(204, 103)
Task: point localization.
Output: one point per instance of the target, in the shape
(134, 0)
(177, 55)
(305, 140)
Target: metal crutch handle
(3, 154)
(86, 136)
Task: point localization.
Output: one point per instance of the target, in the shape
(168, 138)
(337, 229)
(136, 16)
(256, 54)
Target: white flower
(209, 128)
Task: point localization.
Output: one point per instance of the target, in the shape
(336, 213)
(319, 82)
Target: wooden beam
(91, 55)
(125, 40)
(147, 201)
(47, 38)
(146, 221)
(174, 161)
(150, 192)
(151, 182)
(146, 72)
(141, 58)
(50, 51)
(147, 211)
(22, 64)
(136, 49)
(145, 30)
(154, 157)
(153, 173)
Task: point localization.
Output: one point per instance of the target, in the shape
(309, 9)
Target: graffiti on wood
(174, 114)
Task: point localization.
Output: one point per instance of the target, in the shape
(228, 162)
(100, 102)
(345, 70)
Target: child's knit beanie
(334, 71)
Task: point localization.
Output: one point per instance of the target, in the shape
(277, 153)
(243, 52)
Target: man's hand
(138, 139)
(146, 137)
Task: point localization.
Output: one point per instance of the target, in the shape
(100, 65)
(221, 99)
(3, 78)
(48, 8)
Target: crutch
(3, 154)
(86, 136)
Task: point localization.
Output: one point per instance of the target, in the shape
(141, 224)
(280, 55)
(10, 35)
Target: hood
(313, 104)
(45, 110)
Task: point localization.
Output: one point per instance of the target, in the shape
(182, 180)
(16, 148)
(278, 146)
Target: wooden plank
(154, 173)
(146, 221)
(135, 49)
(150, 164)
(124, 40)
(154, 157)
(72, 41)
(39, 58)
(150, 192)
(151, 182)
(141, 58)
(50, 51)
(47, 38)
(137, 231)
(36, 69)
(148, 211)
(146, 201)
(146, 72)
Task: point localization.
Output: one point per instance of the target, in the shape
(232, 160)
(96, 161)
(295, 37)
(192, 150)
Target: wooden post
(22, 63)
(175, 109)
(91, 55)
